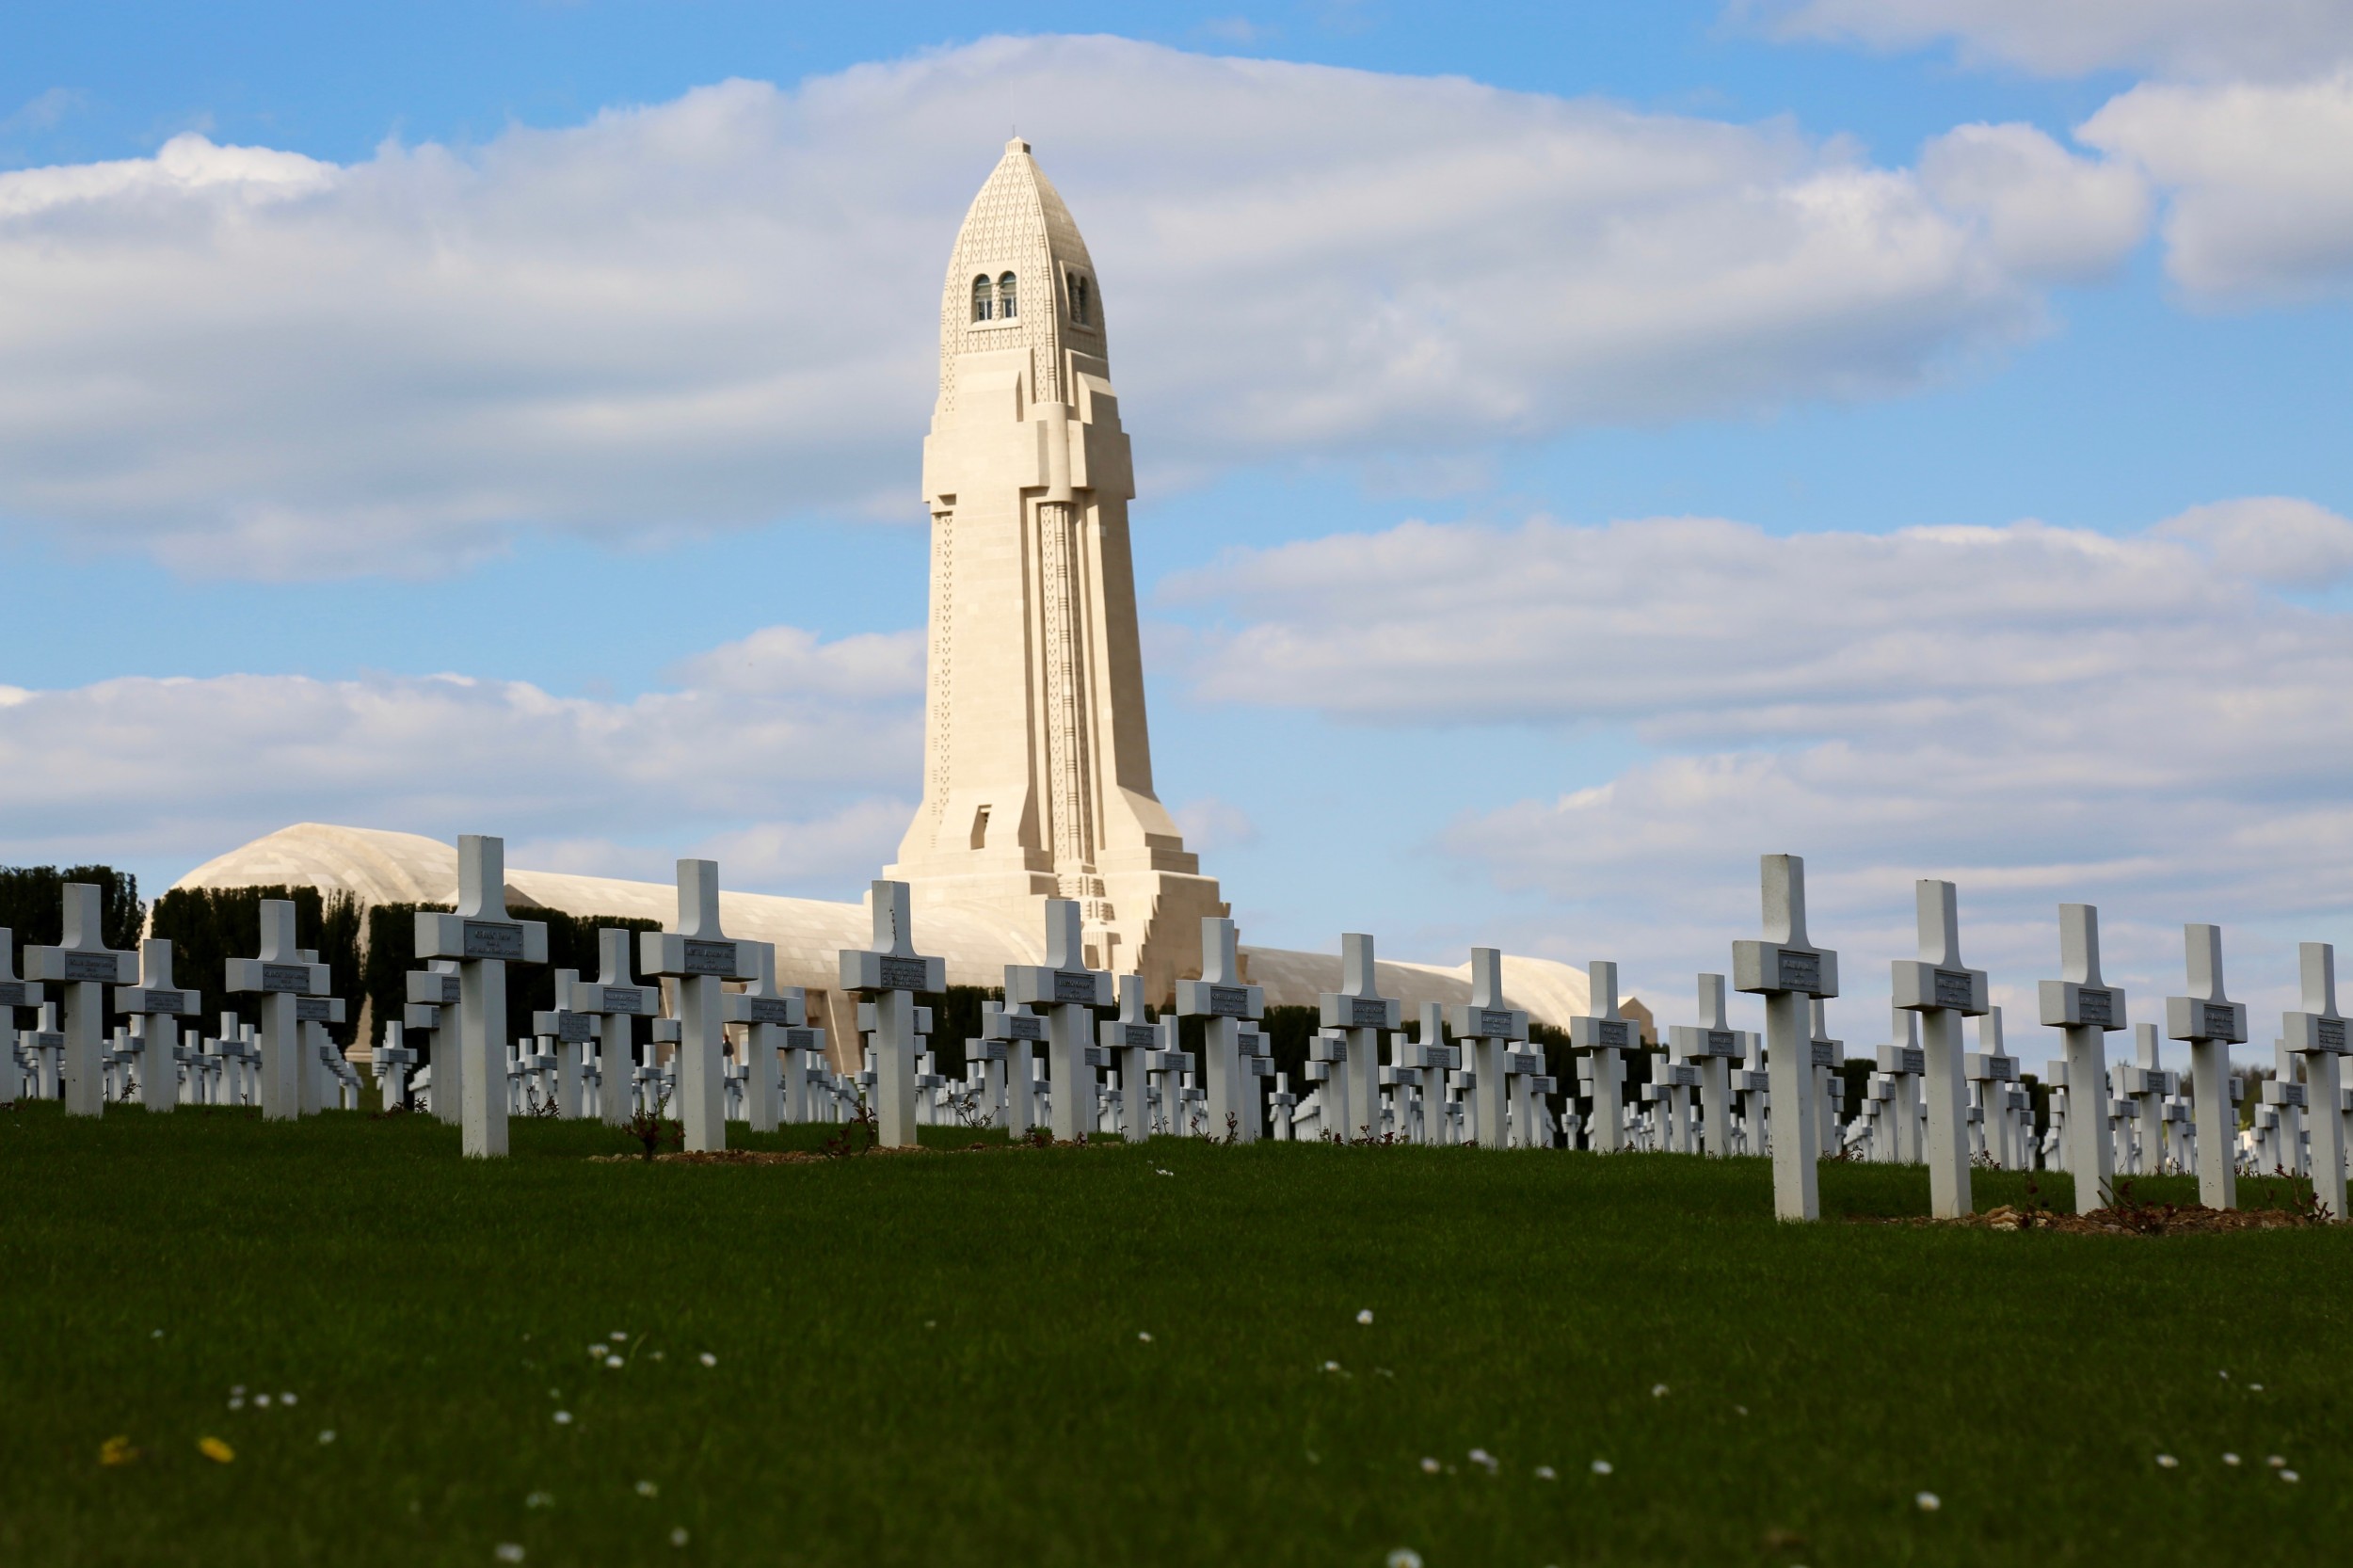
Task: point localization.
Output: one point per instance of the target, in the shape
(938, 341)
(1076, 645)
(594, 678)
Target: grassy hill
(1119, 1355)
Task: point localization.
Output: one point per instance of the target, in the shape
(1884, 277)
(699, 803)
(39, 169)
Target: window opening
(981, 297)
(1005, 300)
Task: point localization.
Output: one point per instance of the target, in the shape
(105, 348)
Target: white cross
(613, 999)
(2212, 1023)
(318, 1058)
(892, 972)
(162, 1003)
(1992, 1070)
(2316, 1032)
(1710, 1047)
(1358, 1010)
(2084, 1008)
(568, 1029)
(86, 966)
(283, 977)
(1826, 1056)
(484, 939)
(1135, 1037)
(699, 956)
(1222, 999)
(1943, 990)
(14, 993)
(1605, 1035)
(1067, 988)
(1787, 968)
(766, 1012)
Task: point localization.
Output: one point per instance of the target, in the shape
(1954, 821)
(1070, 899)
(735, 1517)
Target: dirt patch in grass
(2131, 1219)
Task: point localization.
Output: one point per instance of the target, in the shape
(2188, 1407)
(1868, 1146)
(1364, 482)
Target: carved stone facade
(1038, 767)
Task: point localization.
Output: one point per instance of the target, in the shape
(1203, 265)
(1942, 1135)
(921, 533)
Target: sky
(1580, 448)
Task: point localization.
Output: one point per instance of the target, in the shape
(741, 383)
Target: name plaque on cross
(1956, 989)
(1021, 1026)
(2330, 1033)
(1131, 1036)
(571, 1029)
(2287, 1094)
(1608, 1033)
(1825, 1052)
(766, 1010)
(318, 1010)
(708, 958)
(2095, 1009)
(2220, 1019)
(1910, 1060)
(1368, 1013)
(501, 939)
(798, 1038)
(1228, 1001)
(13, 994)
(287, 977)
(903, 975)
(1801, 972)
(166, 1001)
(623, 999)
(1722, 1042)
(1075, 987)
(100, 967)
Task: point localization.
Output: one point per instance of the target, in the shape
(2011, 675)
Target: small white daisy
(709, 1360)
(1928, 1502)
(1602, 1467)
(1365, 1316)
(562, 1417)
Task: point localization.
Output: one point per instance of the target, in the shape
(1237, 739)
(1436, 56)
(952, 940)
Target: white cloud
(2043, 713)
(2046, 212)
(2259, 180)
(2278, 539)
(718, 310)
(1211, 824)
(2062, 37)
(793, 782)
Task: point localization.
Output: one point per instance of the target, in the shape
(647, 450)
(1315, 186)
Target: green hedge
(208, 926)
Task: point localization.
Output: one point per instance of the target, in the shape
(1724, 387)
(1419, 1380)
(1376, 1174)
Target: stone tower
(1037, 775)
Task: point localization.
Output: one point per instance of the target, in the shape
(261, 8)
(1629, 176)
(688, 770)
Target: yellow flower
(215, 1451)
(116, 1450)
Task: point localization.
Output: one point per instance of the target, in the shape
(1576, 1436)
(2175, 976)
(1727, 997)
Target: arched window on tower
(982, 295)
(1081, 306)
(1006, 308)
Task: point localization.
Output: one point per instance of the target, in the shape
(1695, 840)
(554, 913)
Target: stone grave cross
(312, 1014)
(431, 1010)
(162, 1004)
(612, 999)
(283, 977)
(1607, 1038)
(767, 1011)
(1943, 990)
(1489, 1028)
(14, 993)
(1826, 1055)
(2317, 1032)
(892, 972)
(86, 966)
(1710, 1047)
(570, 1029)
(1065, 985)
(699, 956)
(2084, 1008)
(484, 939)
(1359, 1010)
(1220, 998)
(1786, 969)
(1135, 1038)
(2212, 1023)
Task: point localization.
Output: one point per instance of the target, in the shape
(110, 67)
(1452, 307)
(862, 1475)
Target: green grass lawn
(943, 1359)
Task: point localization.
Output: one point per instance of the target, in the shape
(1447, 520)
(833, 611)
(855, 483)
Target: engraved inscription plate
(12, 995)
(623, 998)
(1824, 1053)
(2291, 1094)
(2218, 1021)
(286, 977)
(1910, 1060)
(1800, 971)
(2096, 1007)
(91, 966)
(1614, 1035)
(1074, 985)
(1367, 1013)
(494, 939)
(798, 1038)
(1953, 988)
(1249, 1042)
(770, 1010)
(167, 1001)
(1095, 1056)
(1138, 1037)
(1722, 1042)
(2328, 1031)
(1494, 1022)
(574, 1028)
(710, 957)
(1229, 1001)
(315, 1010)
(1023, 1026)
(903, 975)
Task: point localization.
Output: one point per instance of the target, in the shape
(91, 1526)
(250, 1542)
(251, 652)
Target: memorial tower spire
(1037, 779)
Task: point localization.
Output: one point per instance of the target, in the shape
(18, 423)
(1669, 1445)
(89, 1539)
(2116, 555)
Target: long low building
(380, 868)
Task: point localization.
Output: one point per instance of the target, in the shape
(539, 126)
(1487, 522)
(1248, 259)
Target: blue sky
(311, 422)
